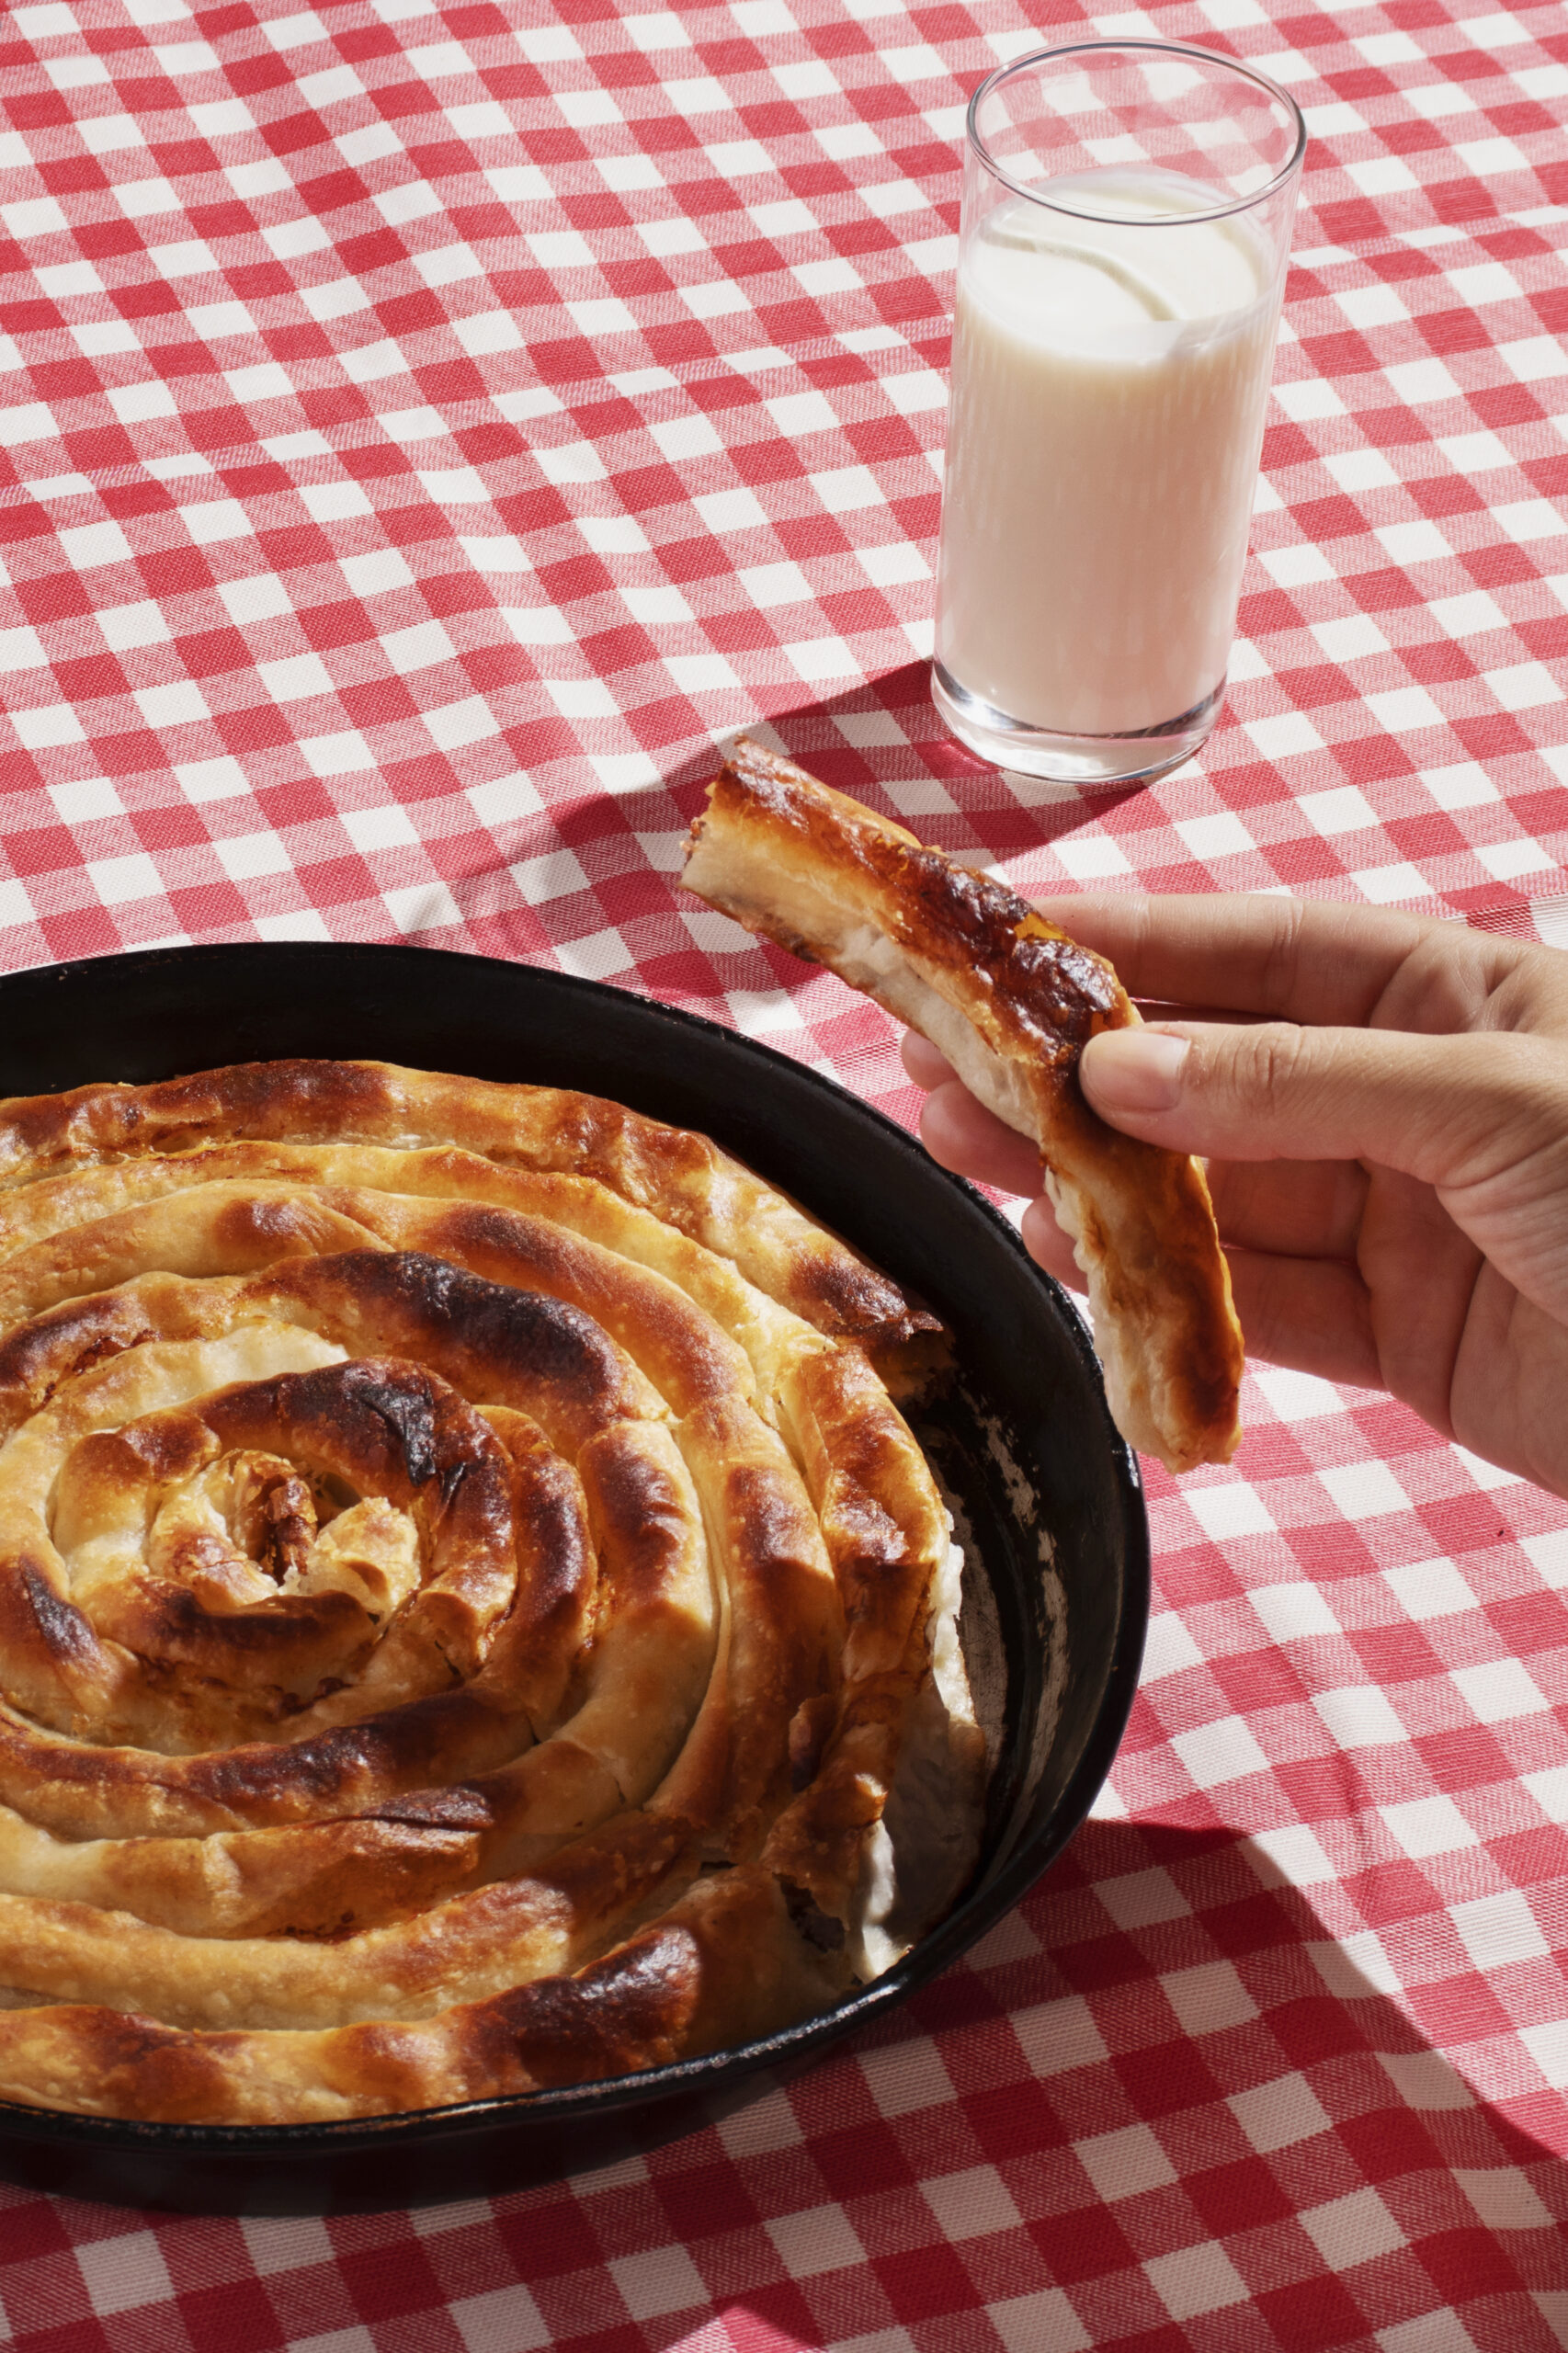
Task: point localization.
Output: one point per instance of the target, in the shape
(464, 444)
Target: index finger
(1294, 959)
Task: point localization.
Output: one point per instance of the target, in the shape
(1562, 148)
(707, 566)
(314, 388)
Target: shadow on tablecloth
(1167, 2039)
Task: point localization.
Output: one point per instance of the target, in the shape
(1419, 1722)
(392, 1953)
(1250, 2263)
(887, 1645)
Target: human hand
(1384, 1104)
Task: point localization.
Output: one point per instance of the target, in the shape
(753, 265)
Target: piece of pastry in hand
(1011, 1001)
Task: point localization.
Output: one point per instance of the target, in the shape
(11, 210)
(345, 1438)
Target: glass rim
(1032, 189)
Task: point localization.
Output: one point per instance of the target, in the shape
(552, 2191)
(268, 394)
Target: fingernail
(1134, 1070)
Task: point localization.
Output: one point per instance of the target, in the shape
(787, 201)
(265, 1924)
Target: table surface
(423, 431)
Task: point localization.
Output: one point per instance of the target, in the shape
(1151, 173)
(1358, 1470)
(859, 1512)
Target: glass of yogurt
(1126, 225)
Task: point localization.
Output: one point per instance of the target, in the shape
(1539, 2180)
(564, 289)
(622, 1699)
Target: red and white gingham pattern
(421, 430)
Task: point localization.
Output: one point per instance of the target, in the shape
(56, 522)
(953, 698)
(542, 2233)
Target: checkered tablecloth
(422, 430)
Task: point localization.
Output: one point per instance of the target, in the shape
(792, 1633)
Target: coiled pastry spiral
(466, 1599)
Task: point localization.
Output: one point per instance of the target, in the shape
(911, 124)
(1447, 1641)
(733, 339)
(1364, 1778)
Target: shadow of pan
(1164, 2090)
(1161, 2105)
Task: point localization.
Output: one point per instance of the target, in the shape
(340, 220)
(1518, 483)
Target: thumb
(1449, 1111)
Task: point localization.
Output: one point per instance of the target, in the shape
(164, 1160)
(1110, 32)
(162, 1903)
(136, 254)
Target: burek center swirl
(472, 1614)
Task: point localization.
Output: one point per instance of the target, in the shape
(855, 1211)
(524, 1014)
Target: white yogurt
(1106, 420)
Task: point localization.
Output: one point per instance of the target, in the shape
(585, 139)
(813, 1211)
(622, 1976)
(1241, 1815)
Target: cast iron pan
(1023, 1442)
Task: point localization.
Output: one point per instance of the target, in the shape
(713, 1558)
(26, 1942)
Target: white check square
(1218, 1752)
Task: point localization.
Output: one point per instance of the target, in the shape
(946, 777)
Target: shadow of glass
(884, 742)
(880, 741)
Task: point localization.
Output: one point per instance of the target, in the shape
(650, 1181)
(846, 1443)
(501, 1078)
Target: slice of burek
(1011, 1001)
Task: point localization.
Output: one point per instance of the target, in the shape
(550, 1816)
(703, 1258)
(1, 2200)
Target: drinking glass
(1125, 230)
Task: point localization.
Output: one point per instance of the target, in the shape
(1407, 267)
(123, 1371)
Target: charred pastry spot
(450, 1483)
(64, 1632)
(323, 1774)
(285, 1098)
(852, 1301)
(385, 1421)
(624, 2012)
(179, 1630)
(405, 1409)
(771, 1529)
(463, 1322)
(65, 1341)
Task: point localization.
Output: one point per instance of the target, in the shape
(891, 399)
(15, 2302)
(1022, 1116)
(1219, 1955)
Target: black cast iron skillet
(1022, 1440)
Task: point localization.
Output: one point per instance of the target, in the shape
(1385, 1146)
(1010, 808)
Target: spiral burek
(468, 1598)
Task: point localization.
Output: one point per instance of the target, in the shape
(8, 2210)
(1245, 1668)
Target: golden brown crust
(1013, 1002)
(684, 1179)
(724, 1966)
(447, 1532)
